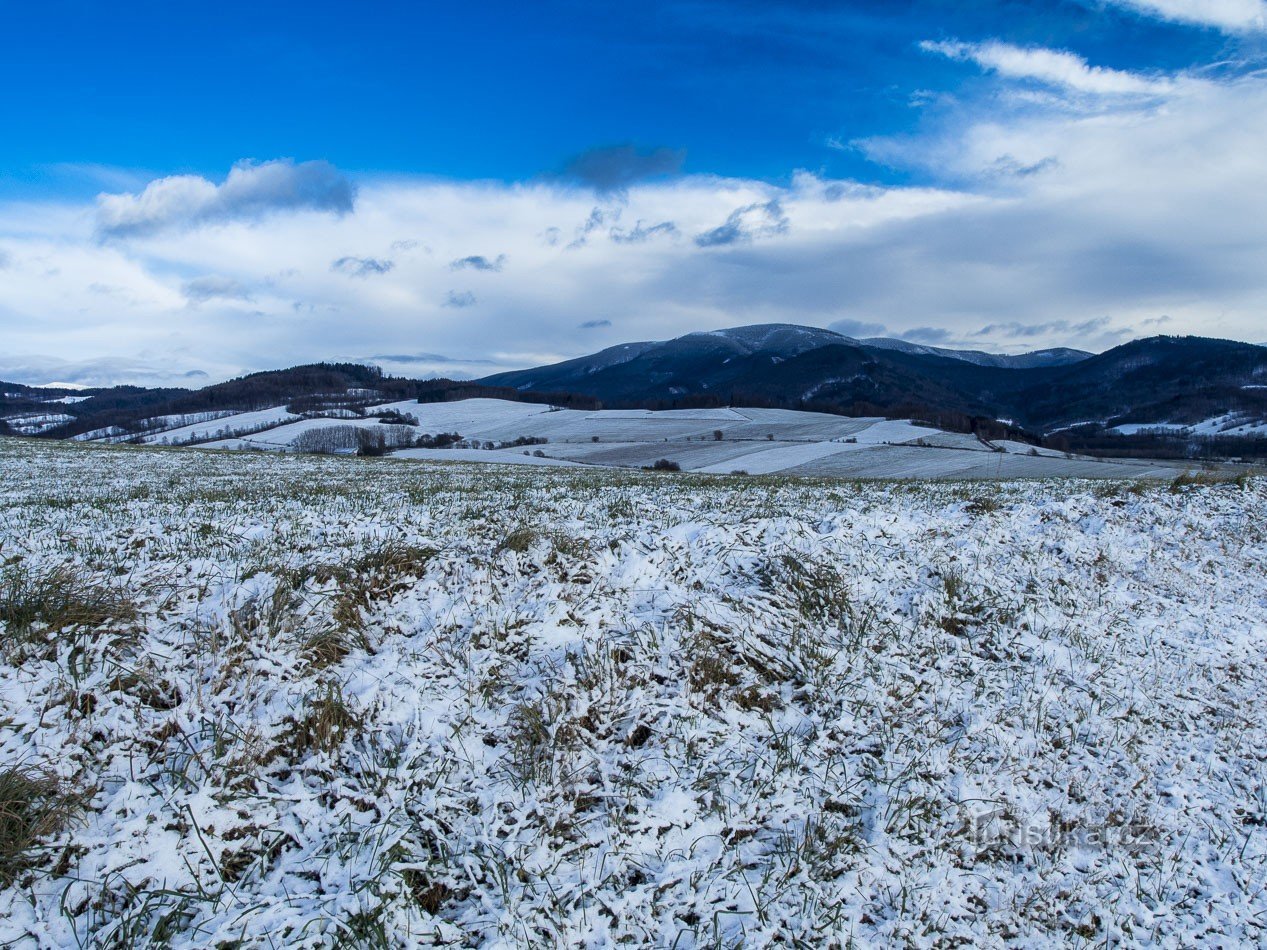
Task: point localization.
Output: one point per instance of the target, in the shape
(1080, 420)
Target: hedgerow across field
(258, 701)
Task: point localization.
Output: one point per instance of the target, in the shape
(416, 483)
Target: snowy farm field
(712, 441)
(279, 700)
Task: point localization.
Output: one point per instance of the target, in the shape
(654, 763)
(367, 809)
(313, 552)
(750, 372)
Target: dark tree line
(306, 390)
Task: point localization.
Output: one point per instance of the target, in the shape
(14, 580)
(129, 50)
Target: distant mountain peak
(1054, 356)
(787, 338)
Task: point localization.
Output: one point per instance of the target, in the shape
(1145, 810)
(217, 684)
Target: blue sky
(510, 90)
(994, 174)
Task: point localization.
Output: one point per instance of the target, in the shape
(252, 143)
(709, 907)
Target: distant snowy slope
(1059, 356)
(722, 440)
(468, 416)
(221, 426)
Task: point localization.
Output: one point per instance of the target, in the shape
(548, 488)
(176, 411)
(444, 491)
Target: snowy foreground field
(256, 700)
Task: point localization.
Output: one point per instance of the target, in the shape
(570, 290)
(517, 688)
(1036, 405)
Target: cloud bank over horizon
(1054, 201)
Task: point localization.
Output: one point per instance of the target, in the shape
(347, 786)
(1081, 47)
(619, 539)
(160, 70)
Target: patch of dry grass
(34, 806)
(33, 601)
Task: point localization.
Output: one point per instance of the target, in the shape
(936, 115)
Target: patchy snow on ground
(284, 435)
(894, 431)
(306, 702)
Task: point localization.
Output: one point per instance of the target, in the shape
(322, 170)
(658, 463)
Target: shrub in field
(371, 444)
(441, 440)
(328, 440)
(392, 417)
(664, 465)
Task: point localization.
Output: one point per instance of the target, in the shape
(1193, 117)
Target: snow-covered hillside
(280, 700)
(749, 440)
(1226, 424)
(33, 423)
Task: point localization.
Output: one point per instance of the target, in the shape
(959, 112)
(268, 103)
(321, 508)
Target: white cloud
(1231, 16)
(1053, 67)
(250, 191)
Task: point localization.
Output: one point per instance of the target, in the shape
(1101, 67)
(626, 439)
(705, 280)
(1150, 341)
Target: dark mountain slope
(1161, 379)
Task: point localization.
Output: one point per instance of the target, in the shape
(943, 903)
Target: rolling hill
(1159, 397)
(1180, 381)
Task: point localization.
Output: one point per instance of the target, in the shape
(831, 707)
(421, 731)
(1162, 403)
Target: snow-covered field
(754, 441)
(314, 701)
(214, 424)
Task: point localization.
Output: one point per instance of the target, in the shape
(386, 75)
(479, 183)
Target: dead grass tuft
(331, 645)
(33, 806)
(35, 600)
(1207, 479)
(376, 575)
(328, 720)
(520, 539)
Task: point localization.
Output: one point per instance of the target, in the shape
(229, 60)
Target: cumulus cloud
(362, 266)
(479, 262)
(761, 219)
(460, 300)
(251, 191)
(213, 286)
(616, 167)
(1053, 67)
(594, 324)
(1231, 16)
